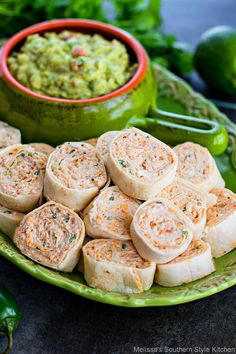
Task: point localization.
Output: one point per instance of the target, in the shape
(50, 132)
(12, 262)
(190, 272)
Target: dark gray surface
(57, 322)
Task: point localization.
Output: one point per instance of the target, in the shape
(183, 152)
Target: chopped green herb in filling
(122, 163)
(7, 212)
(73, 237)
(185, 233)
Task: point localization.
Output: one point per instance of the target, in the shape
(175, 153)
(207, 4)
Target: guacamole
(71, 65)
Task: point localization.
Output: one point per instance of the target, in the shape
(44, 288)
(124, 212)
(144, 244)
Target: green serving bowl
(55, 120)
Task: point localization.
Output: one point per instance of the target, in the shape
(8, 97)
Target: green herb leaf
(7, 212)
(122, 163)
(73, 237)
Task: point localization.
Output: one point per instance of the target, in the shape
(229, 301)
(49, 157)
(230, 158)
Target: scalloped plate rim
(111, 298)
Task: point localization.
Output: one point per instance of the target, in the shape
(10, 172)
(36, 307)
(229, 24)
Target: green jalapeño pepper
(9, 316)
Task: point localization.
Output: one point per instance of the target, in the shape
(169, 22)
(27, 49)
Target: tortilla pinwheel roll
(115, 265)
(21, 177)
(103, 144)
(196, 165)
(80, 265)
(9, 220)
(74, 175)
(51, 235)
(8, 135)
(160, 231)
(110, 214)
(211, 199)
(92, 141)
(44, 148)
(139, 164)
(221, 223)
(195, 263)
(190, 200)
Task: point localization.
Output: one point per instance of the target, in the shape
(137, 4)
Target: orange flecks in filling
(141, 155)
(78, 166)
(160, 225)
(225, 205)
(21, 171)
(118, 252)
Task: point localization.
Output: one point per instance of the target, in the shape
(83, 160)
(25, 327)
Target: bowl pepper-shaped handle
(175, 129)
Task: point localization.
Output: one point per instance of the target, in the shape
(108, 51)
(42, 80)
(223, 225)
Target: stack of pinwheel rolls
(125, 209)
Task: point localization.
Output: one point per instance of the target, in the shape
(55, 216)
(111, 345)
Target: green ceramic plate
(174, 95)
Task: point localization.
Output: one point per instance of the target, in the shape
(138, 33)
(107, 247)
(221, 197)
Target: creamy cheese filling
(186, 199)
(141, 155)
(113, 211)
(195, 248)
(21, 171)
(225, 205)
(49, 232)
(161, 227)
(116, 252)
(194, 162)
(78, 166)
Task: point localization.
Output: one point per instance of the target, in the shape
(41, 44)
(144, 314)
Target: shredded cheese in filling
(186, 199)
(225, 205)
(21, 171)
(141, 155)
(161, 227)
(117, 252)
(78, 166)
(49, 233)
(113, 211)
(194, 162)
(195, 248)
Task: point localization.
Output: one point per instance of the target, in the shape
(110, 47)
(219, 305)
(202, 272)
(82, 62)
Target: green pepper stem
(9, 335)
